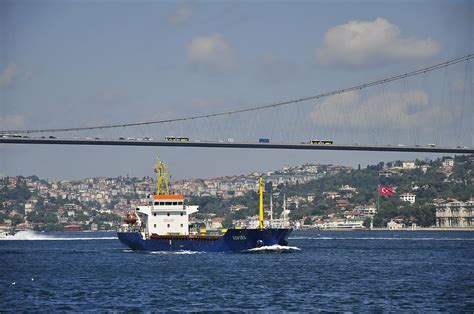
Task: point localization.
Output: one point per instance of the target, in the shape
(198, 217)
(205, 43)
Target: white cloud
(212, 52)
(9, 74)
(387, 111)
(358, 43)
(11, 122)
(182, 15)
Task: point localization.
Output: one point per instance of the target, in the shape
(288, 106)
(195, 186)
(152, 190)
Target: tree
(366, 222)
(17, 219)
(378, 221)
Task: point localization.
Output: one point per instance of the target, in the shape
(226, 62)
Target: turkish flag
(385, 190)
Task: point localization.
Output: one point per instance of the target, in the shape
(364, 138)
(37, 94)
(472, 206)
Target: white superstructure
(166, 214)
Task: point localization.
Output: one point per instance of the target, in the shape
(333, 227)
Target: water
(331, 271)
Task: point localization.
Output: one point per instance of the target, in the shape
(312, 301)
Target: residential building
(408, 197)
(455, 214)
(408, 165)
(448, 162)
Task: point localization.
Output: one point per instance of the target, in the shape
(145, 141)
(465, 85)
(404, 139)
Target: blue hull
(233, 241)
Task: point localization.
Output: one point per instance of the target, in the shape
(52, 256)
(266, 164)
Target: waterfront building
(394, 225)
(455, 214)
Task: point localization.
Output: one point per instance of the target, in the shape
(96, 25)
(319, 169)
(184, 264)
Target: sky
(81, 63)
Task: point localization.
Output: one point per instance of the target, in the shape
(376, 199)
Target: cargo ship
(162, 224)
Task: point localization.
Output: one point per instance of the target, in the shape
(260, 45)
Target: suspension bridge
(426, 110)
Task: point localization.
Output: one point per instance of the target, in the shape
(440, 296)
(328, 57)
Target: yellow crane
(162, 178)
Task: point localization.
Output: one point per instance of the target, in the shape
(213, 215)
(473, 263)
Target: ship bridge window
(182, 214)
(175, 203)
(156, 203)
(180, 203)
(167, 203)
(162, 203)
(168, 214)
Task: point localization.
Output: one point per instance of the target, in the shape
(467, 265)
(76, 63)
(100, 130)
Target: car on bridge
(321, 142)
(176, 139)
(12, 135)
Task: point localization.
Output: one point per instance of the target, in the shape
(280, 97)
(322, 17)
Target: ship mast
(261, 203)
(271, 209)
(162, 177)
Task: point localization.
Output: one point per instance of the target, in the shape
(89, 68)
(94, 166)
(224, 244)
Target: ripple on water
(421, 272)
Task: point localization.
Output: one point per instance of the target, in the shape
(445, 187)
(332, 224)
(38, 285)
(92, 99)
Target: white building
(424, 168)
(393, 225)
(366, 210)
(408, 165)
(408, 197)
(448, 162)
(29, 207)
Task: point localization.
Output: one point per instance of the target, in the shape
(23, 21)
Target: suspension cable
(277, 104)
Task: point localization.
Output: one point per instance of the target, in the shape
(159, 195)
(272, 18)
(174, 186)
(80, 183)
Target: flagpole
(378, 200)
(378, 207)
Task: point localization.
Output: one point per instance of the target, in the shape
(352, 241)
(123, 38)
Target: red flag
(385, 190)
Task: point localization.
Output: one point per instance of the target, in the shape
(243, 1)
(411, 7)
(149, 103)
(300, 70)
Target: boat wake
(382, 238)
(32, 236)
(184, 252)
(274, 249)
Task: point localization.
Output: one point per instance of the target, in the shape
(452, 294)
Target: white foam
(32, 236)
(183, 252)
(274, 248)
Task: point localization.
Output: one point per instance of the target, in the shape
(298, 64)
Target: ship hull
(233, 241)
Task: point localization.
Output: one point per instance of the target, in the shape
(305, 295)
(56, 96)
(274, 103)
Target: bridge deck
(348, 147)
